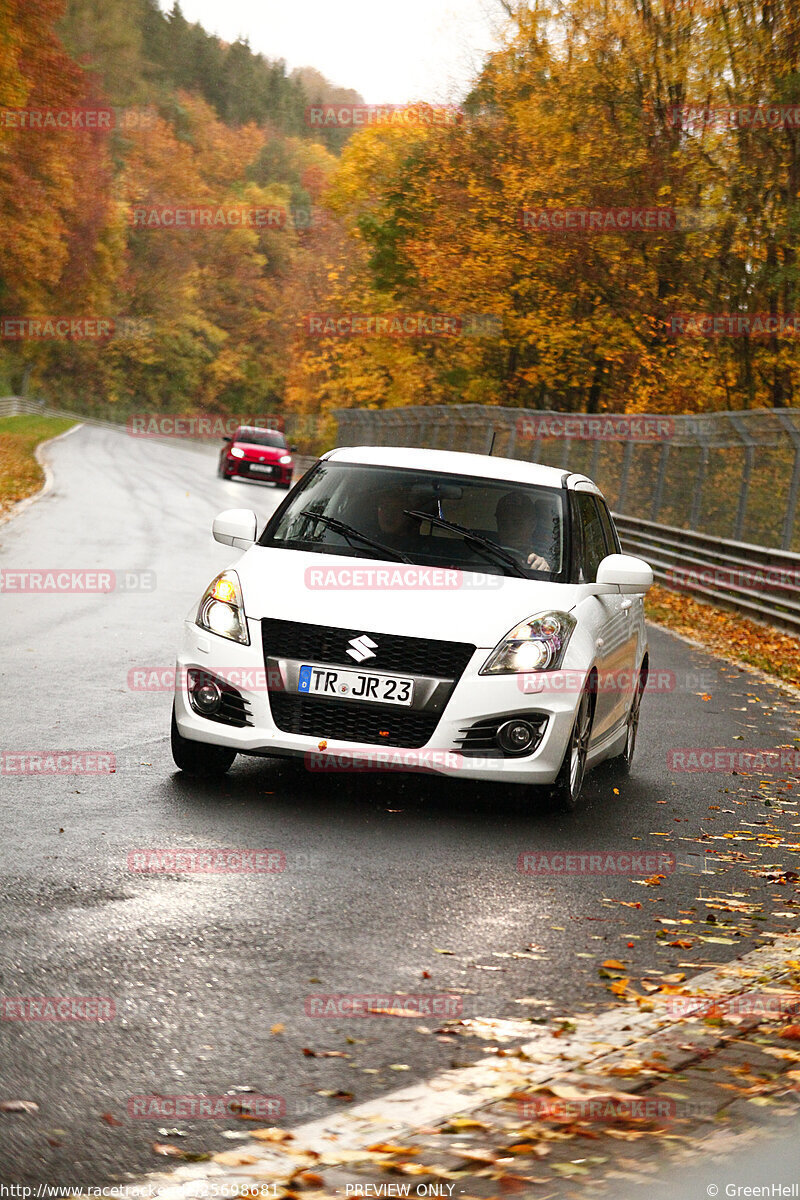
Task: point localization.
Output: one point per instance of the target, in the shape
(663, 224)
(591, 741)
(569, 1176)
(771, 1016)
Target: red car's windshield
(260, 437)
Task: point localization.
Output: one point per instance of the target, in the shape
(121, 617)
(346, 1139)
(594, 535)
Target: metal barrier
(753, 580)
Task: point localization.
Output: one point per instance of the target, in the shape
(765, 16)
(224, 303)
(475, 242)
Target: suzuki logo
(362, 647)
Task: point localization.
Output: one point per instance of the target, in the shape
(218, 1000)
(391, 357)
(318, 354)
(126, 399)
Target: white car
(420, 609)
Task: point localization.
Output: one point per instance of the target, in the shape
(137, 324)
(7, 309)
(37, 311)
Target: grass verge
(20, 473)
(726, 634)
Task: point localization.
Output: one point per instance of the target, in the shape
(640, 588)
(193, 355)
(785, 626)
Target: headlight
(537, 644)
(221, 609)
(285, 458)
(236, 452)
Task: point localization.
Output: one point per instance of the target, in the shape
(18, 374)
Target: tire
(625, 759)
(567, 787)
(199, 758)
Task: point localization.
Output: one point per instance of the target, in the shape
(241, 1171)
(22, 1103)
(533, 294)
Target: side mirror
(227, 439)
(631, 575)
(293, 449)
(235, 527)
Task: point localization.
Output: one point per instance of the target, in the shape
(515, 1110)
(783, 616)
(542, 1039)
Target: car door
(604, 615)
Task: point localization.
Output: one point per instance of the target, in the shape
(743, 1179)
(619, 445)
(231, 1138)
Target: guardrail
(753, 580)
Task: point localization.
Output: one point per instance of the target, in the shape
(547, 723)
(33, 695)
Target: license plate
(355, 685)
(261, 470)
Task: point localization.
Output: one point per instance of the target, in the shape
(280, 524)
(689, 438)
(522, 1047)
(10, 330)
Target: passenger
(521, 525)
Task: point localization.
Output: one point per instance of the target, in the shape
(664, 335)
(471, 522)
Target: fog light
(206, 698)
(515, 737)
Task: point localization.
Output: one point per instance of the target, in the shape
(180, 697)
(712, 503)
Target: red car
(258, 454)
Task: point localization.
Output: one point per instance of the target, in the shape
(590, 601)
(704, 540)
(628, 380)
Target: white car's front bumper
(474, 698)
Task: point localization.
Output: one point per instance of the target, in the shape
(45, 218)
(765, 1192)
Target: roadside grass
(20, 473)
(724, 633)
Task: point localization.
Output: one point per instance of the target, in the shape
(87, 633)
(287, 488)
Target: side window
(592, 534)
(612, 541)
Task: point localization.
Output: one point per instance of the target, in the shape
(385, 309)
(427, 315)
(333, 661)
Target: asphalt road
(383, 873)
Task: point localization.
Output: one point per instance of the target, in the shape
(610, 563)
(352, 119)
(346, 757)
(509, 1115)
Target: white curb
(393, 1117)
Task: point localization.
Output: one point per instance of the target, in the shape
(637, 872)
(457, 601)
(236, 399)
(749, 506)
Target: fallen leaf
(391, 1148)
(394, 1012)
(278, 1028)
(167, 1151)
(614, 964)
(110, 1119)
(231, 1158)
(271, 1134)
(456, 1124)
(18, 1106)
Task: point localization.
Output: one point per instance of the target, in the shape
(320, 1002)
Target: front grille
(328, 644)
(347, 721)
(350, 721)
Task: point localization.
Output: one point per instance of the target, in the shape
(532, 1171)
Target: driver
(394, 527)
(520, 527)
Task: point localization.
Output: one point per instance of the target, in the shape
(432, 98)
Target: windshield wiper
(491, 550)
(348, 532)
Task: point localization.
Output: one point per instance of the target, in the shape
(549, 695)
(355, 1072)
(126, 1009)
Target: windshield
(454, 521)
(261, 437)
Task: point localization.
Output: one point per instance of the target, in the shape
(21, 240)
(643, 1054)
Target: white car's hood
(464, 607)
